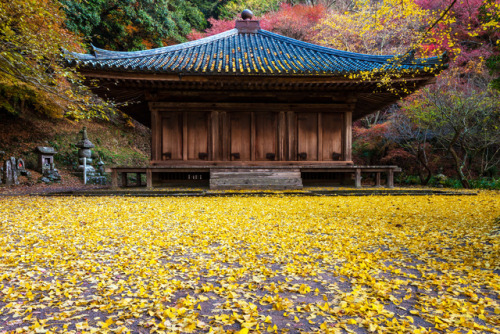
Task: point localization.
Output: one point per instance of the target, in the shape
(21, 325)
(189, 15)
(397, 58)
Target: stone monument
(21, 169)
(46, 164)
(85, 153)
(85, 161)
(10, 173)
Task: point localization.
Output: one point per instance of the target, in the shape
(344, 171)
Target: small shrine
(45, 157)
(46, 164)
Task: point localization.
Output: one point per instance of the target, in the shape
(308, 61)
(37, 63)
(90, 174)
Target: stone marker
(10, 173)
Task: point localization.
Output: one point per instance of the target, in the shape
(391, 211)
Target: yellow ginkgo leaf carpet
(271, 264)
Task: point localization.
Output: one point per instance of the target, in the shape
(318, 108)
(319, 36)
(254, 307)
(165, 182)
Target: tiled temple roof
(239, 52)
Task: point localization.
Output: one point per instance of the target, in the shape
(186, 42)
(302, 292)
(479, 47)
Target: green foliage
(210, 8)
(408, 179)
(493, 64)
(133, 24)
(259, 7)
(486, 183)
(121, 156)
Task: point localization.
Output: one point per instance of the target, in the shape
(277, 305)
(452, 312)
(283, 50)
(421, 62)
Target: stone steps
(262, 178)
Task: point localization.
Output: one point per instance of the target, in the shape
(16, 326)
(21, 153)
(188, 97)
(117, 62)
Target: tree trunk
(423, 163)
(459, 169)
(456, 159)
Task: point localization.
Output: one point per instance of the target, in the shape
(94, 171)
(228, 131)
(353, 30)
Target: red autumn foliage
(292, 21)
(474, 40)
(370, 144)
(296, 21)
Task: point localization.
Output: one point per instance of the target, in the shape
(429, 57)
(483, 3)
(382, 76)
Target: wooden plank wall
(215, 135)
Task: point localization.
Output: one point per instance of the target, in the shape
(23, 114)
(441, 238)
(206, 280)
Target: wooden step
(255, 178)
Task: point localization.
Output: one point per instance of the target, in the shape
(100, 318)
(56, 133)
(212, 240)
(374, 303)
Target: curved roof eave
(259, 53)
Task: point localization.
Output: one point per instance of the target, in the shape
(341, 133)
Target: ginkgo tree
(32, 69)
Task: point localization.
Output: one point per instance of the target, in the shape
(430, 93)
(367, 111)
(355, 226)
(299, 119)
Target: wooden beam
(275, 79)
(232, 106)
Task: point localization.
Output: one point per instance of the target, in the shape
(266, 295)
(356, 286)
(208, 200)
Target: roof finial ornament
(246, 14)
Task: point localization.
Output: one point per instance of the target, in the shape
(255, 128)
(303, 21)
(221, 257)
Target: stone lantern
(84, 151)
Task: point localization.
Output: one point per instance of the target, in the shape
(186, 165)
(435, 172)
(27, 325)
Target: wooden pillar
(281, 136)
(377, 179)
(124, 179)
(156, 132)
(149, 178)
(184, 136)
(114, 179)
(320, 137)
(292, 130)
(347, 136)
(252, 136)
(225, 136)
(357, 181)
(214, 152)
(390, 178)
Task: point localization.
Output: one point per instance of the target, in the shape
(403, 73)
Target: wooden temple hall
(248, 108)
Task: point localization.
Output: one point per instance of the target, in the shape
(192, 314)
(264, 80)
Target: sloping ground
(275, 264)
(116, 143)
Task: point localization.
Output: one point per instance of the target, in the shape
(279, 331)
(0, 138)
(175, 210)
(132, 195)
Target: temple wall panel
(260, 136)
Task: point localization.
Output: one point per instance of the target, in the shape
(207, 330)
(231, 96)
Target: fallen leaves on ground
(271, 264)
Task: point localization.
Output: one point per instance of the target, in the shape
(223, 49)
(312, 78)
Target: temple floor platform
(257, 177)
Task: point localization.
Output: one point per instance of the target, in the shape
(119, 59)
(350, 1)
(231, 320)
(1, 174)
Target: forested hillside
(451, 127)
